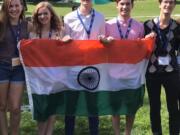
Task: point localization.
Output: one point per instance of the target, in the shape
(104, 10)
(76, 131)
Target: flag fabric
(85, 78)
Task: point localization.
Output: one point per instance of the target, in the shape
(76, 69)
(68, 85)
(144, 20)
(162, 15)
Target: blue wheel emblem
(89, 78)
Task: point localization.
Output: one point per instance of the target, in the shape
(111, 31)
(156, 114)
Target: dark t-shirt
(8, 46)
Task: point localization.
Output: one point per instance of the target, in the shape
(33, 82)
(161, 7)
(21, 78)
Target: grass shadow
(177, 2)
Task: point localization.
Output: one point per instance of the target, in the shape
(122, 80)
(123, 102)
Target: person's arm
(104, 38)
(178, 38)
(67, 29)
(64, 37)
(142, 32)
(102, 28)
(148, 32)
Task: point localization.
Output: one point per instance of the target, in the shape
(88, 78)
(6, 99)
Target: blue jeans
(70, 122)
(11, 74)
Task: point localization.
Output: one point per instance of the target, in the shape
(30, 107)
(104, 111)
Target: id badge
(163, 60)
(16, 61)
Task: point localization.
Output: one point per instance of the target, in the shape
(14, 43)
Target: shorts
(11, 74)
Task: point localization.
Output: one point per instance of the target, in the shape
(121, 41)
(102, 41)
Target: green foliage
(142, 10)
(28, 125)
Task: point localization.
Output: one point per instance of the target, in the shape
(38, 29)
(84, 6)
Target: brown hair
(162, 0)
(55, 23)
(132, 1)
(4, 16)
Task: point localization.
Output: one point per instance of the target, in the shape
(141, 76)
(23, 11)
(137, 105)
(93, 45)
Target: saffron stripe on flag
(87, 54)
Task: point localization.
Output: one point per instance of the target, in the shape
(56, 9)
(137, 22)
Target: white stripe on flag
(113, 77)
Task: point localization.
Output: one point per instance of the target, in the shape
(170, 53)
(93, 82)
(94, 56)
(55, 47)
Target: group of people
(85, 23)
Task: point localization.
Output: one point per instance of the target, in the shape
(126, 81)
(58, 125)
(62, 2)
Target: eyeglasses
(44, 13)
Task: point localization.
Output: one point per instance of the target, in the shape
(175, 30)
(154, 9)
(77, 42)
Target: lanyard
(16, 33)
(88, 31)
(164, 41)
(127, 31)
(49, 35)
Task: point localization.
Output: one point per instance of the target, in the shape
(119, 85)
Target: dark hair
(132, 1)
(74, 7)
(162, 0)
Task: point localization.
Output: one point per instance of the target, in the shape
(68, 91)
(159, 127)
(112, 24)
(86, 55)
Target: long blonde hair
(4, 16)
(55, 22)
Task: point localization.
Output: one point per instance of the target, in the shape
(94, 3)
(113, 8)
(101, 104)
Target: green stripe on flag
(84, 103)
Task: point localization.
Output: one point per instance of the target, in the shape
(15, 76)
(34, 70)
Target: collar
(122, 21)
(81, 14)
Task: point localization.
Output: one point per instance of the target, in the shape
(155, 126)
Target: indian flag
(85, 78)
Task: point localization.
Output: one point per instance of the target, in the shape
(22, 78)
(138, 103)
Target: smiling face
(167, 6)
(124, 8)
(44, 16)
(15, 9)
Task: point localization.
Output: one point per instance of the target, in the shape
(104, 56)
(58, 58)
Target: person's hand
(151, 35)
(66, 39)
(104, 40)
(110, 39)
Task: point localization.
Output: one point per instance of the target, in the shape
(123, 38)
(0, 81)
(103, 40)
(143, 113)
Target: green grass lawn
(142, 123)
(143, 9)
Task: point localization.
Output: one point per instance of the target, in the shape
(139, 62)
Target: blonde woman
(46, 24)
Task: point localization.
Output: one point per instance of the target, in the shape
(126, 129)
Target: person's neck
(85, 10)
(14, 21)
(164, 20)
(45, 28)
(124, 18)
